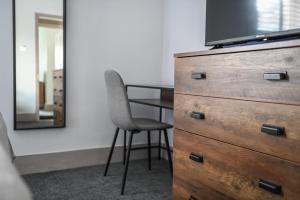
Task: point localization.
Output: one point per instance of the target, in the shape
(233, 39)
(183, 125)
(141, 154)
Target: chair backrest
(4, 140)
(119, 107)
(12, 187)
(11, 184)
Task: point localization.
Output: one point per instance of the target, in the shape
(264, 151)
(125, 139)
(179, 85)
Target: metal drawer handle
(192, 198)
(196, 158)
(273, 76)
(266, 185)
(198, 75)
(272, 130)
(197, 115)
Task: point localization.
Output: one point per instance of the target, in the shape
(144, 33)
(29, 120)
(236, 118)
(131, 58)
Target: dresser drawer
(57, 85)
(58, 101)
(241, 123)
(234, 171)
(242, 75)
(58, 92)
(58, 73)
(185, 191)
(58, 80)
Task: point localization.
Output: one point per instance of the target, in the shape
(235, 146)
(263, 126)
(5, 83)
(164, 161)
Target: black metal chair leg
(127, 163)
(159, 139)
(149, 150)
(169, 152)
(124, 148)
(111, 151)
(159, 145)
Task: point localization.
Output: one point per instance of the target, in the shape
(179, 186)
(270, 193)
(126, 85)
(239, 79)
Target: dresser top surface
(258, 47)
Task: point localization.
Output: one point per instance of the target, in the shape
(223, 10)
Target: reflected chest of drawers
(237, 123)
(58, 78)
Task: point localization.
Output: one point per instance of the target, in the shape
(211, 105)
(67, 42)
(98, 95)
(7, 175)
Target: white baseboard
(74, 159)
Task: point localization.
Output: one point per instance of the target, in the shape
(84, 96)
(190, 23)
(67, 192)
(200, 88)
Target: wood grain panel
(167, 95)
(241, 75)
(232, 170)
(184, 191)
(41, 94)
(239, 122)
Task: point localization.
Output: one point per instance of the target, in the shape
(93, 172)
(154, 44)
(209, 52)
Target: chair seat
(150, 124)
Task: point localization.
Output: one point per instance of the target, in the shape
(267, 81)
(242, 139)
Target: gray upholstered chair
(4, 140)
(121, 116)
(12, 187)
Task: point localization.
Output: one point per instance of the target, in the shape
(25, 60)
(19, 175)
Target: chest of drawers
(237, 123)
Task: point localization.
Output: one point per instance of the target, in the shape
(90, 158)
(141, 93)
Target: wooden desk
(154, 102)
(166, 101)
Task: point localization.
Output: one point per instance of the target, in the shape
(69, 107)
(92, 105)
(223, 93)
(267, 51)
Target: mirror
(39, 63)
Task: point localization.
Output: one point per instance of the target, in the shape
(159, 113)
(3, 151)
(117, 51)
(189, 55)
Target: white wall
(101, 34)
(184, 31)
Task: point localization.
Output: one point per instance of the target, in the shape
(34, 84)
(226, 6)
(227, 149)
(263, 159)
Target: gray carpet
(89, 184)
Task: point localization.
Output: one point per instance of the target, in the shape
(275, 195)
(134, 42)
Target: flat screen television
(238, 21)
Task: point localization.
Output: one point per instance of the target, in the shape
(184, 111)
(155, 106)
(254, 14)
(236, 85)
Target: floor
(89, 184)
(37, 124)
(44, 114)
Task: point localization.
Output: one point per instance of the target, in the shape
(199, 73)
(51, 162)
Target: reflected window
(291, 14)
(278, 15)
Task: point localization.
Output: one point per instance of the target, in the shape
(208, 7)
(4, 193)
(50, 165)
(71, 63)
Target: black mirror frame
(64, 69)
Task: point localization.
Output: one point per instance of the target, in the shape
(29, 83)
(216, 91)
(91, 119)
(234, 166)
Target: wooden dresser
(237, 123)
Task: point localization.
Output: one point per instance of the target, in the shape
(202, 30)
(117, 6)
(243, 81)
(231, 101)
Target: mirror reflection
(39, 64)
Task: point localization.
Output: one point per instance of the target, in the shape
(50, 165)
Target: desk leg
(159, 139)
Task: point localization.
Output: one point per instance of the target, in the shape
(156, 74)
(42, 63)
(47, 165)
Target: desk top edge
(171, 87)
(154, 102)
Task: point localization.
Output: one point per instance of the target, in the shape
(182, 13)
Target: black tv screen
(236, 21)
